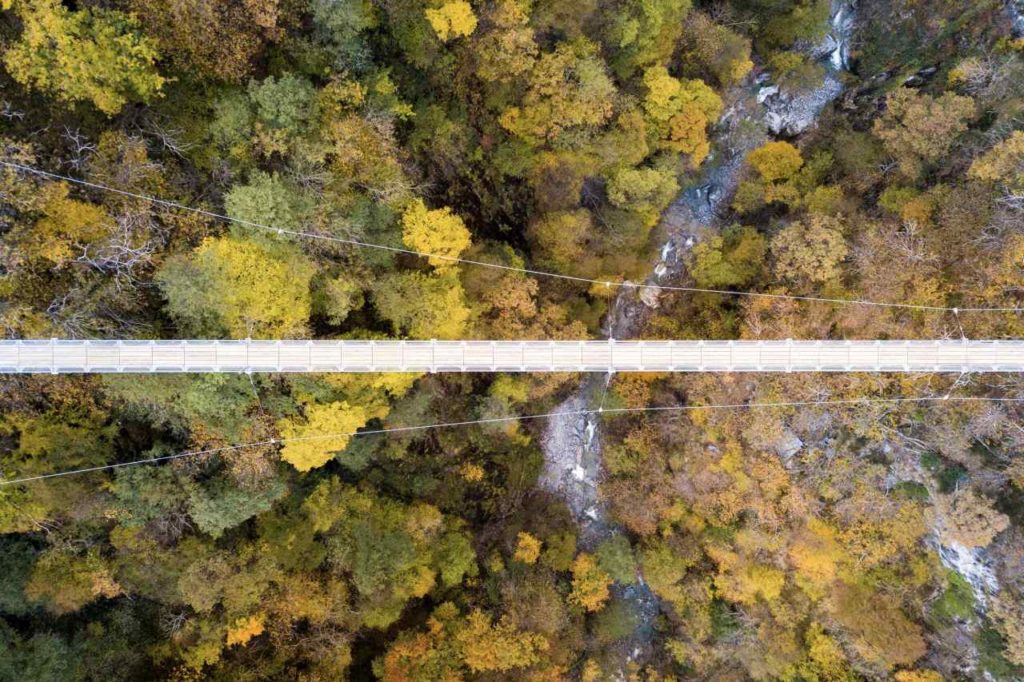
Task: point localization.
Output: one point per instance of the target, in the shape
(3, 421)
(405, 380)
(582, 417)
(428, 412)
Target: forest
(277, 169)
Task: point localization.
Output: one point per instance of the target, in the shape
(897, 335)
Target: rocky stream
(755, 110)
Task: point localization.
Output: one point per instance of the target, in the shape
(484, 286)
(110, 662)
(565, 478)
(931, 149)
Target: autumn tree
(817, 556)
(811, 250)
(326, 431)
(216, 39)
(65, 228)
(775, 161)
(1008, 616)
(883, 635)
(681, 111)
(969, 519)
(775, 166)
(91, 54)
(918, 130)
(453, 19)
(64, 581)
(238, 287)
(1004, 165)
(452, 644)
(569, 96)
(437, 231)
(918, 676)
(715, 50)
(589, 583)
(527, 548)
(560, 238)
(506, 49)
(422, 306)
(488, 646)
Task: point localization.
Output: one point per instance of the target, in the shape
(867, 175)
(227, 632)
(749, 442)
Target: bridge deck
(195, 356)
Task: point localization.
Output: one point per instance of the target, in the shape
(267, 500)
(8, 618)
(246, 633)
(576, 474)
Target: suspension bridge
(55, 356)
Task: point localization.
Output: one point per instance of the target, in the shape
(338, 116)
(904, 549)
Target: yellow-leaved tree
(589, 583)
(527, 548)
(452, 20)
(244, 629)
(681, 110)
(776, 161)
(437, 231)
(239, 287)
(66, 227)
(91, 54)
(500, 647)
(326, 430)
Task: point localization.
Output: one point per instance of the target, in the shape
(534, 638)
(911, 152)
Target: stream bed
(755, 110)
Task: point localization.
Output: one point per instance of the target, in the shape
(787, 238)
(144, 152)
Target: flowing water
(572, 443)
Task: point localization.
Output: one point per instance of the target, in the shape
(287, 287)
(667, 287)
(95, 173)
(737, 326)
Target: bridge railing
(196, 355)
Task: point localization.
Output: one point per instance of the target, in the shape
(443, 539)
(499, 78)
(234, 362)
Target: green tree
(267, 200)
(343, 22)
(646, 191)
(336, 297)
(219, 505)
(615, 557)
(422, 306)
(393, 552)
(735, 258)
(642, 33)
(287, 103)
(92, 54)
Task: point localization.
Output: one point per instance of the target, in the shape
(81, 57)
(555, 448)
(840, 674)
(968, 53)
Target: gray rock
(650, 295)
(1016, 10)
(788, 445)
(791, 114)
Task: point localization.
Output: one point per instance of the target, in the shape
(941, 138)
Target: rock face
(790, 114)
(788, 445)
(572, 461)
(835, 47)
(1016, 10)
(650, 295)
(971, 564)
